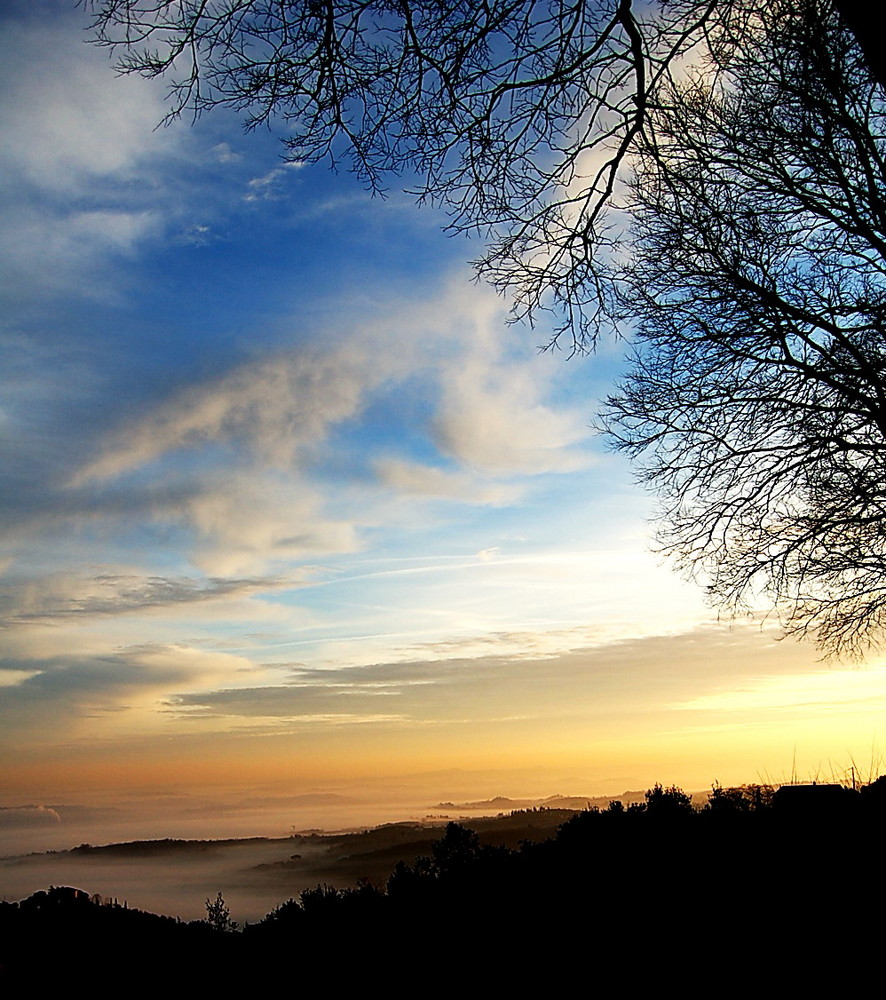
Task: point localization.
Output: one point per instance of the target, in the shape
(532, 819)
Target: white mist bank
(60, 827)
(177, 879)
(166, 884)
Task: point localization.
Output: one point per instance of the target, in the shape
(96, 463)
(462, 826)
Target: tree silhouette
(671, 801)
(218, 914)
(756, 402)
(456, 849)
(710, 174)
(516, 117)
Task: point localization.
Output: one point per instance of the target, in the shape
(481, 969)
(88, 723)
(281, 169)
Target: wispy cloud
(79, 686)
(60, 596)
(270, 185)
(79, 159)
(275, 408)
(832, 690)
(493, 416)
(414, 478)
(504, 677)
(266, 422)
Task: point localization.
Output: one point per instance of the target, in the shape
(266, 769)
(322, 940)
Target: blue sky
(276, 469)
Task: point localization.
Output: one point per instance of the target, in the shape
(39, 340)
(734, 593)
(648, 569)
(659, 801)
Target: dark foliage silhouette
(218, 914)
(657, 883)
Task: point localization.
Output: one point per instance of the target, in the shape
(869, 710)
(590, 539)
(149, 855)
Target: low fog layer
(177, 877)
(176, 880)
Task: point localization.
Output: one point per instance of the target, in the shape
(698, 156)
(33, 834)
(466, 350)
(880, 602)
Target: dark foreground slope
(744, 896)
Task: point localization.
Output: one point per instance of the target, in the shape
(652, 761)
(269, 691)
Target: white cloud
(224, 153)
(270, 185)
(416, 479)
(278, 406)
(250, 523)
(49, 251)
(493, 417)
(253, 440)
(489, 428)
(69, 120)
(827, 688)
(80, 157)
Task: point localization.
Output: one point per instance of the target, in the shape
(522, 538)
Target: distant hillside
(500, 802)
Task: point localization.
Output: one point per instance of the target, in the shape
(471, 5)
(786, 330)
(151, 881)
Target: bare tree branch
(756, 405)
(706, 177)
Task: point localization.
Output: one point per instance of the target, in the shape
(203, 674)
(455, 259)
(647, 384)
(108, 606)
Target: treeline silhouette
(776, 887)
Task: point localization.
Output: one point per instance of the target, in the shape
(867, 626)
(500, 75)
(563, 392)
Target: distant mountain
(501, 802)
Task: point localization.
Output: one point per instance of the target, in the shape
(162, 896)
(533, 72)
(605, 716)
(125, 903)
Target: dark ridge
(155, 848)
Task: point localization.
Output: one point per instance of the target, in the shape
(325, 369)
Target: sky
(288, 508)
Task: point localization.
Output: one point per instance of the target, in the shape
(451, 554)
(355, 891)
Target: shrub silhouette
(218, 914)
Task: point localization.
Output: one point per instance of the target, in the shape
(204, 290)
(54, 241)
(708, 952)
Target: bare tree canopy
(706, 176)
(515, 116)
(756, 403)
